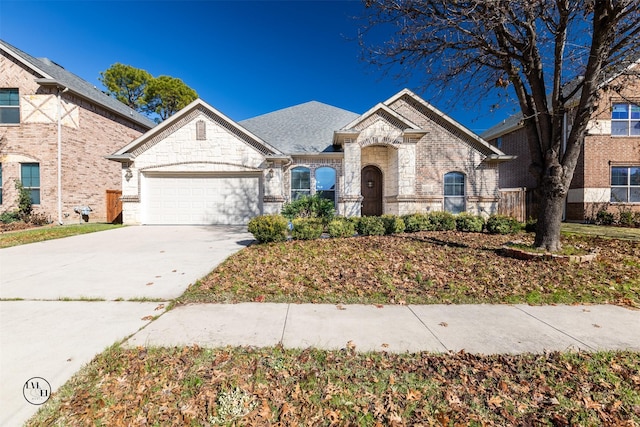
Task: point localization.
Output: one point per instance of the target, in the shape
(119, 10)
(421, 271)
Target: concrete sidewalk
(482, 329)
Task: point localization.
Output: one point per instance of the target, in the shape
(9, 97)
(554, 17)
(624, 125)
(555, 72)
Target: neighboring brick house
(402, 156)
(47, 113)
(607, 175)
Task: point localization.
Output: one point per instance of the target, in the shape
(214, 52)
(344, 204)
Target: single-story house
(402, 156)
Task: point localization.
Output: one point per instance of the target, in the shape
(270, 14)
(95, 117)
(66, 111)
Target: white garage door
(188, 199)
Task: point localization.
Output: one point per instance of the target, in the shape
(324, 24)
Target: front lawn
(39, 234)
(421, 268)
(192, 386)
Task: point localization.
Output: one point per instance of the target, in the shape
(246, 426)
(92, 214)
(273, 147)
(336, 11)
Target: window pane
(9, 115)
(9, 97)
(454, 184)
(35, 196)
(325, 179)
(619, 176)
(300, 179)
(635, 128)
(620, 128)
(634, 176)
(296, 194)
(454, 205)
(30, 175)
(634, 194)
(618, 194)
(620, 111)
(327, 194)
(635, 111)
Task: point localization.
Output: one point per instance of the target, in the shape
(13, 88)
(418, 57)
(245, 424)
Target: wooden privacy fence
(513, 202)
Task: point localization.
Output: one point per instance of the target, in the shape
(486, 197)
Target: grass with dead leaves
(421, 268)
(192, 386)
(39, 234)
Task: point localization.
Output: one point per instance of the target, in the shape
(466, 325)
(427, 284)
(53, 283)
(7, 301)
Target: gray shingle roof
(303, 128)
(77, 85)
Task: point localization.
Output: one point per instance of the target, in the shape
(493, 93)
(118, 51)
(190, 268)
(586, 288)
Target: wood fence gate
(513, 202)
(114, 206)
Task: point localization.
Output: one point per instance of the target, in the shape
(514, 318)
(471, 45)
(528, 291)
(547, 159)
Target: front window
(300, 183)
(625, 184)
(454, 192)
(326, 184)
(625, 119)
(9, 106)
(30, 178)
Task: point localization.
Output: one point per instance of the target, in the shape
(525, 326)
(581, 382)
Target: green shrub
(442, 221)
(625, 218)
(341, 227)
(417, 222)
(502, 224)
(392, 224)
(603, 217)
(309, 207)
(24, 200)
(370, 226)
(8, 217)
(469, 223)
(307, 228)
(636, 219)
(268, 228)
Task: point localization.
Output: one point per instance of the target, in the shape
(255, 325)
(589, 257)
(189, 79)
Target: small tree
(25, 206)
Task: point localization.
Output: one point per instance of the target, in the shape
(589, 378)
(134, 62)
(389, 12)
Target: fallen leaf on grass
(259, 298)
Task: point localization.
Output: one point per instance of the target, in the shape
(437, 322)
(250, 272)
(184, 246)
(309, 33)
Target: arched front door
(371, 189)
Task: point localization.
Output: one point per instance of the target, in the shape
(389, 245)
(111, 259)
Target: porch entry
(371, 190)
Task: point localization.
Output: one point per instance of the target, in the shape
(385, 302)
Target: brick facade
(89, 132)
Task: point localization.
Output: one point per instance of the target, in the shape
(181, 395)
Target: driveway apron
(66, 300)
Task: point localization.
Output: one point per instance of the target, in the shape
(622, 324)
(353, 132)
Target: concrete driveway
(66, 300)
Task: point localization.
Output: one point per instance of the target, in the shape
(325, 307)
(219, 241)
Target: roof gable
(53, 74)
(381, 112)
(444, 121)
(178, 120)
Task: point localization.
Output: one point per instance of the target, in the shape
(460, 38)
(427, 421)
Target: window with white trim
(30, 179)
(326, 183)
(625, 119)
(454, 192)
(9, 106)
(300, 182)
(625, 184)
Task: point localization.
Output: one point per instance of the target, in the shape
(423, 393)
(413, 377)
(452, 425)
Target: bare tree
(553, 55)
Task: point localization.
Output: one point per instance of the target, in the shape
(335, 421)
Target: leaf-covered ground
(422, 268)
(192, 386)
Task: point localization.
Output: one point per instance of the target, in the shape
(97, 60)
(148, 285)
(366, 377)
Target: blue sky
(245, 58)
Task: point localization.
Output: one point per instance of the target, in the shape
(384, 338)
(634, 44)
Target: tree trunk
(549, 220)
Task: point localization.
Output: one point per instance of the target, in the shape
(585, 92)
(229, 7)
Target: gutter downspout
(59, 172)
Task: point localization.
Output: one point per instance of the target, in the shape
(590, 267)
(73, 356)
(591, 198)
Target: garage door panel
(200, 200)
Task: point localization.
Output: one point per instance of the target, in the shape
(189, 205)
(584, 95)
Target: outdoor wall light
(128, 174)
(270, 174)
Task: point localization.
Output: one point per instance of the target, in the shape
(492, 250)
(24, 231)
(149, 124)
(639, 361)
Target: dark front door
(371, 187)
